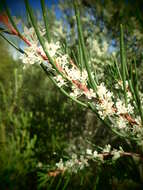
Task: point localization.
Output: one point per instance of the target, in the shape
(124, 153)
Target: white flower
(76, 92)
(84, 161)
(28, 31)
(52, 48)
(74, 164)
(90, 94)
(89, 151)
(105, 105)
(121, 122)
(69, 164)
(95, 154)
(116, 154)
(107, 148)
(121, 109)
(60, 164)
(105, 108)
(130, 109)
(60, 80)
(84, 76)
(39, 164)
(120, 85)
(100, 157)
(30, 34)
(31, 56)
(74, 156)
(101, 90)
(62, 60)
(74, 74)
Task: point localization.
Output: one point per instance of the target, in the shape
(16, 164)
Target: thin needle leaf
(81, 40)
(45, 19)
(123, 62)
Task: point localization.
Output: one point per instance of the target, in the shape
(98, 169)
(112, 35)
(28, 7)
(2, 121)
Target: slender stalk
(131, 86)
(81, 40)
(123, 62)
(50, 185)
(59, 183)
(75, 59)
(117, 67)
(41, 40)
(80, 56)
(136, 89)
(45, 19)
(66, 182)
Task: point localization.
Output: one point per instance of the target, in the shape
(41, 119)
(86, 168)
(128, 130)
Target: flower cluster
(73, 165)
(52, 48)
(76, 164)
(106, 104)
(31, 56)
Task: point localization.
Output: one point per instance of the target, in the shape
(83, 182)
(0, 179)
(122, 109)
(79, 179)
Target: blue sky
(17, 7)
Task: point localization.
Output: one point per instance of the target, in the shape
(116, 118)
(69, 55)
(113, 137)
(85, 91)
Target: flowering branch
(112, 112)
(79, 162)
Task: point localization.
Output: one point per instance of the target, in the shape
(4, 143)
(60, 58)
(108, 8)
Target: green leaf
(45, 19)
(81, 41)
(123, 62)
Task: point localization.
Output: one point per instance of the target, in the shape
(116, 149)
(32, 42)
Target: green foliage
(6, 65)
(36, 124)
(17, 147)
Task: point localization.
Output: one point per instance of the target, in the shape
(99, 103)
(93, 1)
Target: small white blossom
(39, 164)
(62, 60)
(121, 122)
(76, 92)
(116, 155)
(60, 80)
(107, 148)
(74, 164)
(121, 108)
(60, 165)
(105, 108)
(30, 34)
(52, 48)
(130, 108)
(119, 85)
(105, 105)
(101, 90)
(95, 154)
(90, 94)
(31, 56)
(89, 151)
